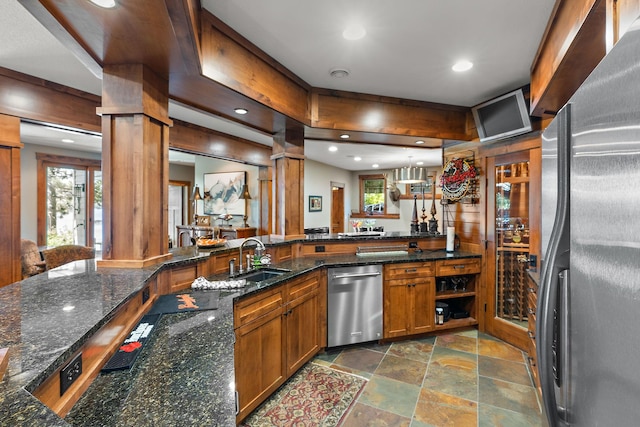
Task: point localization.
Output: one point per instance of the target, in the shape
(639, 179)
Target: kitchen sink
(262, 274)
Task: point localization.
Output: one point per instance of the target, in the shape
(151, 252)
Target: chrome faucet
(249, 239)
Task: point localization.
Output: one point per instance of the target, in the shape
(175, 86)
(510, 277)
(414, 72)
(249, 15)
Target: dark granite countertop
(42, 331)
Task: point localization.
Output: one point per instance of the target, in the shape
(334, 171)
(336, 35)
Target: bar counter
(45, 319)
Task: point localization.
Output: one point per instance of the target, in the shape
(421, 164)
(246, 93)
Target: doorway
(337, 207)
(178, 209)
(70, 204)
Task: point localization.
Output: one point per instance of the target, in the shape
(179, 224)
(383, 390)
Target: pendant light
(410, 174)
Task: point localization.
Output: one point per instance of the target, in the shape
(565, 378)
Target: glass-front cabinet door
(509, 216)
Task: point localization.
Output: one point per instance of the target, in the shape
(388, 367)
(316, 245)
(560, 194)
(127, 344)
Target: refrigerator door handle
(552, 304)
(561, 348)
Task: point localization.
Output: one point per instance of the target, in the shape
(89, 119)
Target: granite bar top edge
(35, 372)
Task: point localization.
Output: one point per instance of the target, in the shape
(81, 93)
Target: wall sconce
(195, 196)
(244, 194)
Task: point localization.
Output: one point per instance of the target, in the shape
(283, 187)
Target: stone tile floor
(459, 379)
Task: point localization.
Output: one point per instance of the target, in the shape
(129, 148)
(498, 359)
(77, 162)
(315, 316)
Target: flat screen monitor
(502, 117)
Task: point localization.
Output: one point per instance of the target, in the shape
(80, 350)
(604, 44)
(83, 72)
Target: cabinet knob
(531, 334)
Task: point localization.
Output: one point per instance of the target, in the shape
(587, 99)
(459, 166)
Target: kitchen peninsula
(48, 319)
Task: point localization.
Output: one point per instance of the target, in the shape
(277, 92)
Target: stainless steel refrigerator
(588, 318)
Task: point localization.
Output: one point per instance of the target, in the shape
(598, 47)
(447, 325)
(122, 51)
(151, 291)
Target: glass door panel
(512, 241)
(97, 210)
(66, 201)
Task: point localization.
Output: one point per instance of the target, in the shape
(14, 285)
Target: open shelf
(457, 323)
(452, 294)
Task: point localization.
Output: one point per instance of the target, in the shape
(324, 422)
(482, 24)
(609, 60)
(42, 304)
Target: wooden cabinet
(532, 300)
(259, 360)
(277, 331)
(456, 285)
(408, 295)
(237, 233)
(302, 322)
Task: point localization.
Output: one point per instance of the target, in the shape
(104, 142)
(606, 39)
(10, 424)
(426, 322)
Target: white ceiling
(408, 51)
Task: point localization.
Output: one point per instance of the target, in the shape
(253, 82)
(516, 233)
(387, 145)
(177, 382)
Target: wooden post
(135, 166)
(10, 200)
(288, 181)
(265, 196)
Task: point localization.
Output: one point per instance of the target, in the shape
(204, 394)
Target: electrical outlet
(319, 248)
(533, 261)
(70, 373)
(145, 295)
(413, 245)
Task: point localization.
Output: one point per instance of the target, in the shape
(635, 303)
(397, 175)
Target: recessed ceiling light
(462, 65)
(354, 32)
(241, 110)
(357, 158)
(68, 141)
(375, 165)
(420, 141)
(107, 4)
(333, 148)
(344, 136)
(419, 163)
(339, 73)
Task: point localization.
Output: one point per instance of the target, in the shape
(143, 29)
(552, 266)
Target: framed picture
(315, 203)
(222, 193)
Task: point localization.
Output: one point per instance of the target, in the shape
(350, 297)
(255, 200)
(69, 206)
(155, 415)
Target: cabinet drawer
(408, 270)
(301, 287)
(254, 307)
(454, 267)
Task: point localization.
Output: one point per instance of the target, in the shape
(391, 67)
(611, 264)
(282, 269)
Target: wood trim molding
(4, 361)
(47, 102)
(574, 42)
(196, 139)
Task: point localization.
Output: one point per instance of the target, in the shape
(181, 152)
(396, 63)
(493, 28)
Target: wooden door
(337, 209)
(395, 317)
(302, 330)
(513, 200)
(423, 306)
(259, 360)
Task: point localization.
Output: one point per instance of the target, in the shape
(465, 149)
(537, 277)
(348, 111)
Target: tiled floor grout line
(398, 351)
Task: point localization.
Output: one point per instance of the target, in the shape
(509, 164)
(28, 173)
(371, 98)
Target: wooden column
(10, 146)
(135, 166)
(288, 181)
(265, 181)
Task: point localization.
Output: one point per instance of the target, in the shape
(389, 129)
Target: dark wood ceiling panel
(236, 66)
(377, 114)
(133, 32)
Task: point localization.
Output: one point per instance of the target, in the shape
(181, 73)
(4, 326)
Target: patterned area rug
(315, 396)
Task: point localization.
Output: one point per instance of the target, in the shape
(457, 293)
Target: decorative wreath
(456, 177)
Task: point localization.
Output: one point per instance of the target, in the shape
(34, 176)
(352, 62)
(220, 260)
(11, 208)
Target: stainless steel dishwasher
(354, 305)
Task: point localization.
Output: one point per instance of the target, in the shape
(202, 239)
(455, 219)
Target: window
(373, 197)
